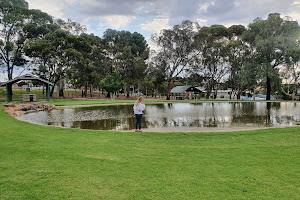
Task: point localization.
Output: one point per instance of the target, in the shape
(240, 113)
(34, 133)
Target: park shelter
(188, 91)
(26, 77)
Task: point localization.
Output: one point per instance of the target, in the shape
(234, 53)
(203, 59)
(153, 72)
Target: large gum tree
(175, 50)
(272, 38)
(14, 16)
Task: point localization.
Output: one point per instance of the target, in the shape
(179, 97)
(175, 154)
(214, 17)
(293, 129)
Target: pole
(8, 93)
(48, 92)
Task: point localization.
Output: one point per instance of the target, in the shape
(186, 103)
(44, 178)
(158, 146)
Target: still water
(210, 114)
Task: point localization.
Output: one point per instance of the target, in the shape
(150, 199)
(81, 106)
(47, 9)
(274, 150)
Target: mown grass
(39, 162)
(69, 102)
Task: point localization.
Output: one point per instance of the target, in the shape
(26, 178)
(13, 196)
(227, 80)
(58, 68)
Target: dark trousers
(138, 123)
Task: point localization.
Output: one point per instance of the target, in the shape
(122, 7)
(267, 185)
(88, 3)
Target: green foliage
(272, 39)
(14, 16)
(175, 50)
(113, 82)
(211, 58)
(127, 53)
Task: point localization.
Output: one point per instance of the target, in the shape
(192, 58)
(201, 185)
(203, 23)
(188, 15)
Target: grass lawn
(69, 102)
(39, 162)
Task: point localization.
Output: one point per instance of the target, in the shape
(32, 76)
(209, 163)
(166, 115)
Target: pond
(173, 115)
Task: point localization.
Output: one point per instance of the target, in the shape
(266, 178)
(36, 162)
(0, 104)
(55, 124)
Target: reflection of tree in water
(268, 114)
(211, 122)
(251, 113)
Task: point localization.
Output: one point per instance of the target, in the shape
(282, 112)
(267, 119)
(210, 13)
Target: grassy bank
(70, 102)
(40, 162)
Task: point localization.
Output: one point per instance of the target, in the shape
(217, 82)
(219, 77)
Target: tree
(14, 16)
(239, 53)
(271, 39)
(211, 61)
(90, 69)
(112, 83)
(290, 72)
(127, 53)
(147, 85)
(74, 28)
(175, 50)
(56, 53)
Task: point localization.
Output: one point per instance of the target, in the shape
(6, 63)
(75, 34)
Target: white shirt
(139, 109)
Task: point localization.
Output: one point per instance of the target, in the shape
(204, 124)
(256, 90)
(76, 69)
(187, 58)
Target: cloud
(204, 7)
(153, 15)
(117, 21)
(72, 2)
(201, 21)
(156, 25)
(54, 7)
(296, 3)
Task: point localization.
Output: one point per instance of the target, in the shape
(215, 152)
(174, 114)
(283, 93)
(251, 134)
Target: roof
(26, 77)
(224, 91)
(202, 89)
(180, 89)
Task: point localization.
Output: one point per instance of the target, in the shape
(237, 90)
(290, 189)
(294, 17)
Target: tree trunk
(85, 90)
(126, 91)
(239, 95)
(61, 88)
(91, 88)
(268, 88)
(112, 96)
(61, 93)
(170, 85)
(52, 90)
(208, 92)
(108, 94)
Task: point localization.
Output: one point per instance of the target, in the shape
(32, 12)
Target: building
(186, 92)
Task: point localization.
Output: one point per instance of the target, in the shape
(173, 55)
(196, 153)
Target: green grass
(69, 102)
(38, 162)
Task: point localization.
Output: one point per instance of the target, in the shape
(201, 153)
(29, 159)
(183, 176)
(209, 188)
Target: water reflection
(220, 114)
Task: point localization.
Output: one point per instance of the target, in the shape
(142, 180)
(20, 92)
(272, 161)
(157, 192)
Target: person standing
(138, 108)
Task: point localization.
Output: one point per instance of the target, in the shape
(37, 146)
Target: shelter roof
(180, 89)
(26, 77)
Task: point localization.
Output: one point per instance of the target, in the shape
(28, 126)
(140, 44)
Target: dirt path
(201, 129)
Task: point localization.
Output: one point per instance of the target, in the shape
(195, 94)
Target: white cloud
(117, 21)
(72, 2)
(156, 25)
(296, 3)
(201, 21)
(53, 7)
(236, 3)
(204, 7)
(294, 15)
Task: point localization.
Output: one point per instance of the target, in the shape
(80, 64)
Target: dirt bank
(16, 110)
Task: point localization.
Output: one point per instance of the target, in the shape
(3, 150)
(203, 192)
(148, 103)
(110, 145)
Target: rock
(9, 105)
(17, 110)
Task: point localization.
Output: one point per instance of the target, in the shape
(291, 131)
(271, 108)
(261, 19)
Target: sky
(151, 16)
